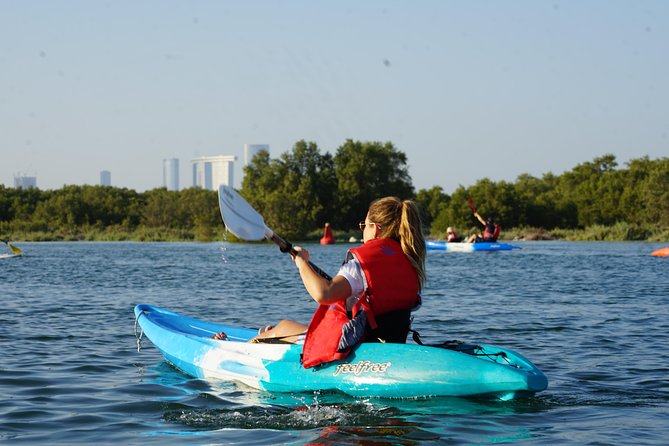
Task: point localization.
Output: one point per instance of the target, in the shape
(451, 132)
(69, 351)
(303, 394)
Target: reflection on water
(331, 417)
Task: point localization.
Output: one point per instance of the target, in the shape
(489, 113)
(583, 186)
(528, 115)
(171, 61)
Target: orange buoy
(327, 238)
(662, 252)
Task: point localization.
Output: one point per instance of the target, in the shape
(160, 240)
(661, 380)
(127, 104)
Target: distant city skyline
(467, 90)
(219, 169)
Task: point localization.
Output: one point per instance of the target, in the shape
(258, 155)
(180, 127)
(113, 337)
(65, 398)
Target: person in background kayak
(490, 232)
(372, 296)
(452, 236)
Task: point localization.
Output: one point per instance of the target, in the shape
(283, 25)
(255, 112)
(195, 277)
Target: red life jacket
(491, 234)
(452, 237)
(392, 284)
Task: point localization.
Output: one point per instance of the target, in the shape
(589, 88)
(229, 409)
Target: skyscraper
(24, 182)
(209, 172)
(171, 174)
(105, 178)
(250, 150)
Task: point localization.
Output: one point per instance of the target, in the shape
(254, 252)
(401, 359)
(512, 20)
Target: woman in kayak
(372, 295)
(452, 236)
(490, 232)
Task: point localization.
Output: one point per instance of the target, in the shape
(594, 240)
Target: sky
(467, 90)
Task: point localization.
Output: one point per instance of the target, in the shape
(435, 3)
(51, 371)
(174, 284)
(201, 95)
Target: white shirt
(352, 272)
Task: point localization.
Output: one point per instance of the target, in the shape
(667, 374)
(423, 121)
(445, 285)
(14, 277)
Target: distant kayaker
(490, 232)
(452, 236)
(372, 296)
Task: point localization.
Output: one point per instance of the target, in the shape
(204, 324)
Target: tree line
(108, 213)
(302, 189)
(592, 194)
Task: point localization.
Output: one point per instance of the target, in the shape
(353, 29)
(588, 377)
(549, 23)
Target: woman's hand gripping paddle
(247, 224)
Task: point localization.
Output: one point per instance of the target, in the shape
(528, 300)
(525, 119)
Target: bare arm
(480, 218)
(321, 290)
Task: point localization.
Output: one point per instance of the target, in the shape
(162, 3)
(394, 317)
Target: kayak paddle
(471, 204)
(246, 223)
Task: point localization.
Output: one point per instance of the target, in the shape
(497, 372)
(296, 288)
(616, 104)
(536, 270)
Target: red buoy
(327, 238)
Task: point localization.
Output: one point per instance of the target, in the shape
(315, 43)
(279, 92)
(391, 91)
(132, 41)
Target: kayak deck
(371, 370)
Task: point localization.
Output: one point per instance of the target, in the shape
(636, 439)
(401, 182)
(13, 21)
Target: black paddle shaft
(286, 246)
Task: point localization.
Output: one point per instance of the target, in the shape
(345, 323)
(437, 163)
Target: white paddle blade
(238, 215)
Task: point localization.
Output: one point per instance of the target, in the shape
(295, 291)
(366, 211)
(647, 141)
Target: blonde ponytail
(412, 239)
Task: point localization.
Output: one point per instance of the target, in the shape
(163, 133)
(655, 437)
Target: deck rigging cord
(138, 338)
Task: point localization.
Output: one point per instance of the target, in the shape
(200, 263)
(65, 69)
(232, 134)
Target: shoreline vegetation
(615, 233)
(302, 189)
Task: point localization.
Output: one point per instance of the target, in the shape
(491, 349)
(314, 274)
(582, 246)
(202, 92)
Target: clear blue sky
(466, 89)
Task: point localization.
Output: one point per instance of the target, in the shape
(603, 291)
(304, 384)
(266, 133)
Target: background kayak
(372, 370)
(440, 245)
(662, 252)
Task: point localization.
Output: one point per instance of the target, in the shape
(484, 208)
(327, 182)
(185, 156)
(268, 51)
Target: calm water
(593, 316)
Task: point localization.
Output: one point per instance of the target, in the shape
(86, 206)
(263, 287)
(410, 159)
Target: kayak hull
(371, 370)
(440, 245)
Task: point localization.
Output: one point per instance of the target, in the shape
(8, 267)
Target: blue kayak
(371, 370)
(441, 245)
